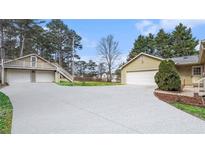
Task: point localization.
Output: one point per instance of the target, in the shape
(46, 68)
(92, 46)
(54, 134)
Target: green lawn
(194, 110)
(87, 83)
(5, 114)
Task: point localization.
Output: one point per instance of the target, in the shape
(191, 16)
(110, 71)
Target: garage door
(44, 76)
(18, 76)
(141, 78)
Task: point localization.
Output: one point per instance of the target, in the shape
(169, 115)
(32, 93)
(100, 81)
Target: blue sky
(124, 31)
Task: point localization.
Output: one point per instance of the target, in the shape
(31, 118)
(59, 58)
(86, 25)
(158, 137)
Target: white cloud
(86, 58)
(170, 24)
(148, 26)
(89, 43)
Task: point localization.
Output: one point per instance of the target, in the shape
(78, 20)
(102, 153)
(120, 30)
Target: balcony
(29, 65)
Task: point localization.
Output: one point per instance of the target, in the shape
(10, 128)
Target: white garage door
(44, 76)
(18, 76)
(141, 78)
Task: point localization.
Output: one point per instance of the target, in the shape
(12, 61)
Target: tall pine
(166, 45)
(183, 42)
(150, 46)
(163, 44)
(139, 46)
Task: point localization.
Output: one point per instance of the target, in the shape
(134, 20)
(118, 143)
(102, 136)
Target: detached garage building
(140, 70)
(31, 68)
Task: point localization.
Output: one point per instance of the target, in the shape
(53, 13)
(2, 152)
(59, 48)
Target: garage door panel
(18, 76)
(141, 78)
(44, 76)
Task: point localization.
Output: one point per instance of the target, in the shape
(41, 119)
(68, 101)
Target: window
(33, 61)
(141, 59)
(196, 70)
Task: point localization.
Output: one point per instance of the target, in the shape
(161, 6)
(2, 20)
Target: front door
(33, 76)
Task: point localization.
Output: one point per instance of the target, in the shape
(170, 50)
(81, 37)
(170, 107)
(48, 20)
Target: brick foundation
(175, 97)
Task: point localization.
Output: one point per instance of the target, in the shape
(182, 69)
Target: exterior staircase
(64, 73)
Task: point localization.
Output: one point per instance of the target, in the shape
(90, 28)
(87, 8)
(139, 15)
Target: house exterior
(31, 68)
(142, 68)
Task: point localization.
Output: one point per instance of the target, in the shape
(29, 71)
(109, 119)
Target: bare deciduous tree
(109, 52)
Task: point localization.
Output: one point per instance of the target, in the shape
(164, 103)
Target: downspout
(2, 71)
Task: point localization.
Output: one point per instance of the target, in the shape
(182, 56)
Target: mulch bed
(177, 97)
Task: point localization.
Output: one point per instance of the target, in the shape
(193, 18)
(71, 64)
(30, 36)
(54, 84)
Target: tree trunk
(2, 43)
(60, 59)
(22, 45)
(110, 74)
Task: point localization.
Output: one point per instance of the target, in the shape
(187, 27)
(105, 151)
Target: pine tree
(163, 44)
(80, 68)
(7, 37)
(150, 44)
(183, 42)
(60, 42)
(25, 29)
(139, 46)
(92, 68)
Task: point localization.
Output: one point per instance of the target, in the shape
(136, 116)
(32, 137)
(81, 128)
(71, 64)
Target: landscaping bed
(6, 111)
(177, 97)
(87, 83)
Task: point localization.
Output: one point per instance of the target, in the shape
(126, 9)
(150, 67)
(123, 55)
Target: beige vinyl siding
(141, 63)
(185, 72)
(44, 64)
(26, 63)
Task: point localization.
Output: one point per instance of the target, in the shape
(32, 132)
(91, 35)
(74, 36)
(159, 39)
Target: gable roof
(141, 53)
(32, 54)
(186, 60)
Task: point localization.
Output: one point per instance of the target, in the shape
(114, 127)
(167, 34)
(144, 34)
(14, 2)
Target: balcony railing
(31, 65)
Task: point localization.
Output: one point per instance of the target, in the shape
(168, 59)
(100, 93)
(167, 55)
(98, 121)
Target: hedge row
(6, 112)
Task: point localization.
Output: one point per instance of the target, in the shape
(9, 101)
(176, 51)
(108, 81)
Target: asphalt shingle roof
(186, 59)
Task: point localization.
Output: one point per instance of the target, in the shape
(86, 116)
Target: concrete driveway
(50, 108)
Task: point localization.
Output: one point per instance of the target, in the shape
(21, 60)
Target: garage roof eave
(46, 69)
(141, 53)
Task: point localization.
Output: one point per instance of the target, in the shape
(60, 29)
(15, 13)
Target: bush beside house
(6, 112)
(167, 78)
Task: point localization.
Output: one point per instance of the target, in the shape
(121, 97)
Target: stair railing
(201, 84)
(65, 73)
